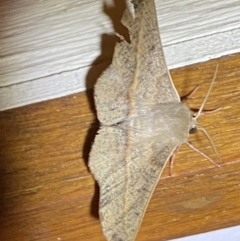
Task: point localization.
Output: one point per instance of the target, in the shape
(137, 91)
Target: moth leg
(203, 154)
(172, 159)
(206, 112)
(188, 96)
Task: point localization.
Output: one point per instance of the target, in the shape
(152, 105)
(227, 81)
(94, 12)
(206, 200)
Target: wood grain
(47, 192)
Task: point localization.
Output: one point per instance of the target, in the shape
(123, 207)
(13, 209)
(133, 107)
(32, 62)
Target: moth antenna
(210, 140)
(209, 90)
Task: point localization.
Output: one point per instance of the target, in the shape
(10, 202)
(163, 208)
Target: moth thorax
(165, 122)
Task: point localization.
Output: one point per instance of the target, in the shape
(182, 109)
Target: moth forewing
(142, 123)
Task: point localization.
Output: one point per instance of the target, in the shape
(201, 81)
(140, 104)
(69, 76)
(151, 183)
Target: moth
(143, 123)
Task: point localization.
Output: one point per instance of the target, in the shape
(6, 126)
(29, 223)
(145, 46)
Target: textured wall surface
(54, 48)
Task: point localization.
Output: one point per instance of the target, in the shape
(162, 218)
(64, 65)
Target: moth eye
(192, 130)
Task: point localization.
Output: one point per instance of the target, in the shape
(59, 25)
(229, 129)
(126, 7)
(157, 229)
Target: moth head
(194, 125)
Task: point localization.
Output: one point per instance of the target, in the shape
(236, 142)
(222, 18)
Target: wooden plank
(47, 192)
(54, 48)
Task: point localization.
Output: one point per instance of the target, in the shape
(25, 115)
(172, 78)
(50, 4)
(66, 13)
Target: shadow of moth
(143, 122)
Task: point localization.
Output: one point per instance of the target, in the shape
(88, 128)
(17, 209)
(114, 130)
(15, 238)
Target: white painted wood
(232, 233)
(47, 48)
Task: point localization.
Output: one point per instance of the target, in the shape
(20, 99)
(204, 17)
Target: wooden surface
(48, 47)
(47, 192)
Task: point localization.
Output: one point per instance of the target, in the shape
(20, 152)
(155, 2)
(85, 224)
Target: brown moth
(142, 121)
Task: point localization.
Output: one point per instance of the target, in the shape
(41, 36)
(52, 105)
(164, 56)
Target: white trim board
(48, 47)
(232, 234)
